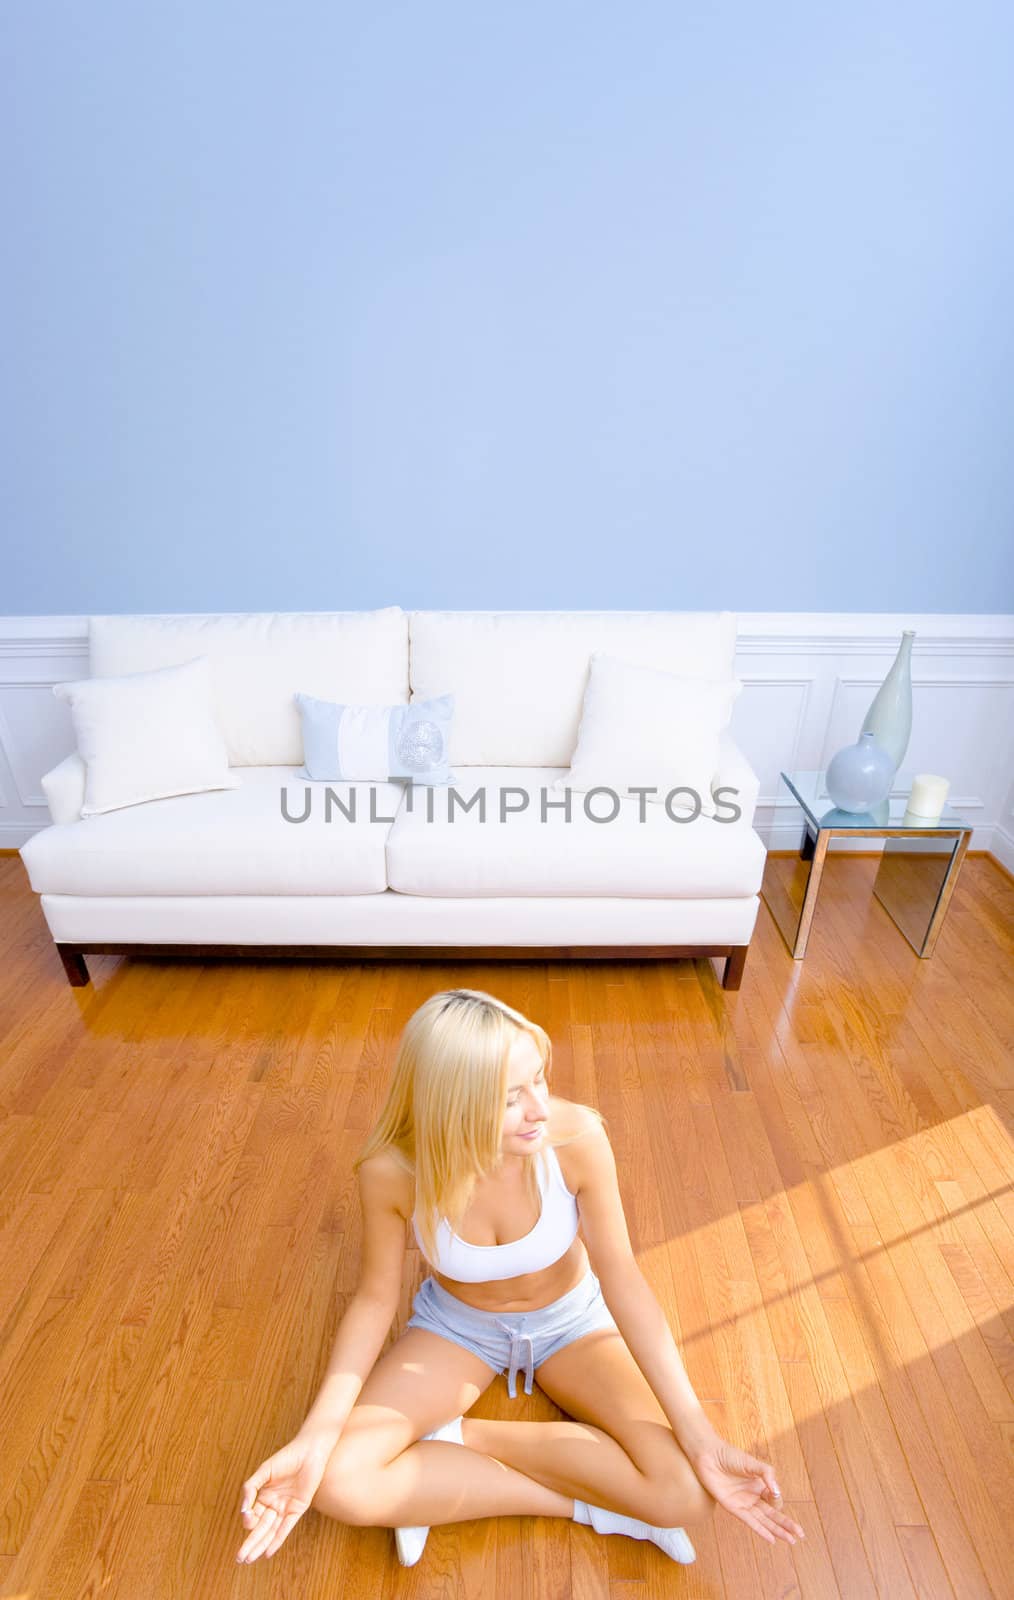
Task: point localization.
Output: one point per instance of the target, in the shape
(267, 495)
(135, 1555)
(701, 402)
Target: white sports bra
(553, 1234)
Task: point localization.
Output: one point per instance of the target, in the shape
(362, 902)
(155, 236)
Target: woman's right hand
(276, 1495)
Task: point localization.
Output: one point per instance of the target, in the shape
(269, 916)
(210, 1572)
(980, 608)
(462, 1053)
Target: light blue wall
(320, 305)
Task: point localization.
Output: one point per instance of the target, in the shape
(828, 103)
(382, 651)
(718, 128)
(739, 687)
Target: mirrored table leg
(915, 881)
(790, 888)
(817, 860)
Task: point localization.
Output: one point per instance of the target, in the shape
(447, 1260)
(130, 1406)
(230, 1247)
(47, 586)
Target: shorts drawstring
(518, 1337)
(579, 1311)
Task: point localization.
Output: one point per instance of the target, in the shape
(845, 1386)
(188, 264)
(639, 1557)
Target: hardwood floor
(817, 1176)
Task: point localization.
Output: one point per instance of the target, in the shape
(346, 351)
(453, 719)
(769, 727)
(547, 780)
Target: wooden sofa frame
(73, 955)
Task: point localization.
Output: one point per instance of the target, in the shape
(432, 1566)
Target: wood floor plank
(951, 1488)
(967, 1218)
(924, 1563)
(837, 1514)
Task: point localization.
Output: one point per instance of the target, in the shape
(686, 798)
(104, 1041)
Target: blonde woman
(497, 1175)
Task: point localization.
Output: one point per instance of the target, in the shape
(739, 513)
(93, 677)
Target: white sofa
(224, 872)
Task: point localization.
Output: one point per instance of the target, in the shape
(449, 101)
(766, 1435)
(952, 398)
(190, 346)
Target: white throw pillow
(650, 729)
(147, 736)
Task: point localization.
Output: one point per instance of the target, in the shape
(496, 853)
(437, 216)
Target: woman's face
(527, 1098)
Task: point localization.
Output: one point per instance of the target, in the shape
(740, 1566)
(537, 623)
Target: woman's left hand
(746, 1487)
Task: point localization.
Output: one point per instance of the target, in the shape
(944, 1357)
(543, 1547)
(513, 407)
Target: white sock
(411, 1541)
(451, 1431)
(675, 1542)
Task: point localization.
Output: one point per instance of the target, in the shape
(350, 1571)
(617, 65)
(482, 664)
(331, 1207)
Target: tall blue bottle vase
(889, 718)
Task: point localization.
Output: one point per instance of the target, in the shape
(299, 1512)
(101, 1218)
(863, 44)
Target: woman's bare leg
(550, 1463)
(500, 1469)
(574, 1458)
(436, 1481)
(376, 1478)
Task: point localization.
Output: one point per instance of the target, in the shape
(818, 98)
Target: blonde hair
(445, 1106)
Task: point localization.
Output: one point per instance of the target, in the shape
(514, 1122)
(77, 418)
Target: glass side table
(917, 872)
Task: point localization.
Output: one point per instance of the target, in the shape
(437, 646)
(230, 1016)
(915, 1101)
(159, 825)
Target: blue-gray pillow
(353, 744)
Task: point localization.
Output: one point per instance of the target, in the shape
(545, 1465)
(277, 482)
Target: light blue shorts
(520, 1340)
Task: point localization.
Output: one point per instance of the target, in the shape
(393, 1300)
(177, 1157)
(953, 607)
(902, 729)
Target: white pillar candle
(910, 820)
(928, 794)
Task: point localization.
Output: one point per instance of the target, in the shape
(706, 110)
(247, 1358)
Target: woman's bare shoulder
(569, 1120)
(568, 1129)
(398, 1176)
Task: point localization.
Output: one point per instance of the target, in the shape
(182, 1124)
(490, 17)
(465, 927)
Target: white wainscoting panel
(826, 668)
(808, 680)
(36, 730)
(1003, 834)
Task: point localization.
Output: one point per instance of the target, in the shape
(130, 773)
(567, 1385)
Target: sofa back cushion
(518, 677)
(260, 661)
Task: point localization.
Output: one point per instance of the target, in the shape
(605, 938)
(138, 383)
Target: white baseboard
(1002, 847)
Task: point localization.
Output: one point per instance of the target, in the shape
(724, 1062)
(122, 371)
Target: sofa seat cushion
(224, 842)
(522, 855)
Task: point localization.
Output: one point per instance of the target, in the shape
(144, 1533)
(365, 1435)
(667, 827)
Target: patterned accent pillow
(354, 743)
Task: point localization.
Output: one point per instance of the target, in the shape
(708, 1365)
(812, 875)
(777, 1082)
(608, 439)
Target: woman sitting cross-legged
(470, 1133)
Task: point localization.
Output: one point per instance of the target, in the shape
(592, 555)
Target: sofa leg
(74, 965)
(735, 962)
